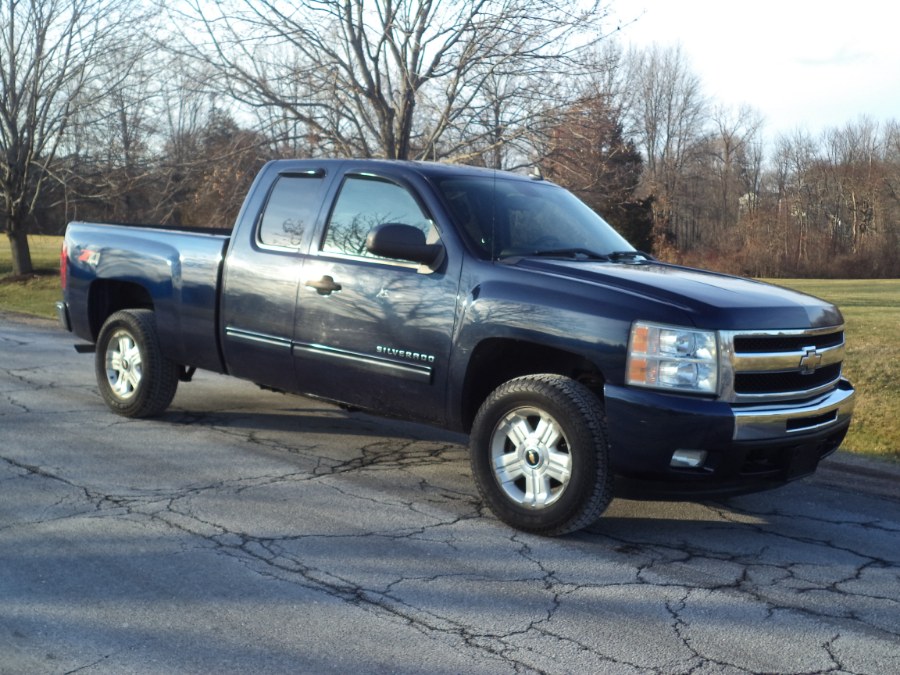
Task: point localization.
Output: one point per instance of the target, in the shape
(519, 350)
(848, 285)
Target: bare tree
(49, 49)
(217, 181)
(106, 159)
(587, 153)
(734, 151)
(390, 78)
(853, 181)
(667, 112)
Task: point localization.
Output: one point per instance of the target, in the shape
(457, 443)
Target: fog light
(688, 459)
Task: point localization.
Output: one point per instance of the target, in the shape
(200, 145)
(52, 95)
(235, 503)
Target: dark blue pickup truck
(480, 301)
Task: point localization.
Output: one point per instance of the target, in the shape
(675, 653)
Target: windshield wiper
(588, 254)
(572, 253)
(616, 256)
(581, 253)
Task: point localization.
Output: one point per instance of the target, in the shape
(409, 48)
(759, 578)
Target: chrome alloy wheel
(123, 364)
(530, 457)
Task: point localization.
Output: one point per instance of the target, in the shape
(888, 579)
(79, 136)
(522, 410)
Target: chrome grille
(763, 366)
(750, 344)
(779, 383)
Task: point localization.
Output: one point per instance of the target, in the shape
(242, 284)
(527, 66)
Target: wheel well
(498, 360)
(109, 296)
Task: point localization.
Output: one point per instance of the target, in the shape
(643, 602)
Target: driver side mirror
(402, 242)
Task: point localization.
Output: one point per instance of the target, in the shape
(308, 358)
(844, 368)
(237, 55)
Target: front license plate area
(803, 462)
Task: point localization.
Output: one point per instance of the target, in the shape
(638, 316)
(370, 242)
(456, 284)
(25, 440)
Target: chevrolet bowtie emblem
(810, 361)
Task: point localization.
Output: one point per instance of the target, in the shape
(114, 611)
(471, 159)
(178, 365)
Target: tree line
(127, 111)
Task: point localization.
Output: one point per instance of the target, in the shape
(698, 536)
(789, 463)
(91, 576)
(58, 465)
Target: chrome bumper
(774, 422)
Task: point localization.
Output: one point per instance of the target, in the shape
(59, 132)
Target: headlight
(669, 357)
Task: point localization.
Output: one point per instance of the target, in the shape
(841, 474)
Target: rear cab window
(289, 216)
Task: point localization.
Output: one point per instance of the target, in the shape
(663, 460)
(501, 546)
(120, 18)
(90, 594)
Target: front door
(370, 331)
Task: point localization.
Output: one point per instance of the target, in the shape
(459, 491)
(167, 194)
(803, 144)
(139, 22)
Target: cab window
(363, 203)
(290, 211)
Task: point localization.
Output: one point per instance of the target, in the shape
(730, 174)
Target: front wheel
(539, 454)
(135, 378)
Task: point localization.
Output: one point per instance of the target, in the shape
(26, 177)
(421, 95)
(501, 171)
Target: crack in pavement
(654, 565)
(416, 493)
(781, 589)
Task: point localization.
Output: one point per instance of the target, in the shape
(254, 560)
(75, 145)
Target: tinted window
(363, 203)
(290, 211)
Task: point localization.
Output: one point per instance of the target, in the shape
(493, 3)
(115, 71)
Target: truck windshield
(506, 218)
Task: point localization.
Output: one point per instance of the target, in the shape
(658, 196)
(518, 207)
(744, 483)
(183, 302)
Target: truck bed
(174, 271)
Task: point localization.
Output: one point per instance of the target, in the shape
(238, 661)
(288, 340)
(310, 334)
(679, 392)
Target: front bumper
(747, 448)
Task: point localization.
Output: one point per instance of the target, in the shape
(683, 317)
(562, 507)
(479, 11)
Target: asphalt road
(246, 531)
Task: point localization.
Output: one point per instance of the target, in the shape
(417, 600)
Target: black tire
(134, 377)
(539, 454)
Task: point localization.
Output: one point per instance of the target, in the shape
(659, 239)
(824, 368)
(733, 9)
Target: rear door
(372, 331)
(262, 274)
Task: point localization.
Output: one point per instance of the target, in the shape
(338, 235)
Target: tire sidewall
(549, 395)
(158, 380)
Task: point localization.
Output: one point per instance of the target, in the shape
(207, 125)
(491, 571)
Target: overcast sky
(801, 63)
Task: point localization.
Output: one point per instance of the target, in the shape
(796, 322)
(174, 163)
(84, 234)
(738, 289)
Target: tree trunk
(21, 253)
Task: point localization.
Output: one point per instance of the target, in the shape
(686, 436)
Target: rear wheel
(134, 377)
(539, 454)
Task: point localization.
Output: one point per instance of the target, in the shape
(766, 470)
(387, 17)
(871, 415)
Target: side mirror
(402, 242)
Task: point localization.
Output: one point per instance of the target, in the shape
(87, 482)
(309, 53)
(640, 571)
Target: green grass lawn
(871, 310)
(38, 294)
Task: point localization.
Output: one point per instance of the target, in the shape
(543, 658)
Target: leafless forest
(129, 111)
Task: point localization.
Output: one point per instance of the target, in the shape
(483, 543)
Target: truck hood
(711, 300)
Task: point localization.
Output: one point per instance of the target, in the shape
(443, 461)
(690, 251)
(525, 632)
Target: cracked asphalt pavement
(248, 531)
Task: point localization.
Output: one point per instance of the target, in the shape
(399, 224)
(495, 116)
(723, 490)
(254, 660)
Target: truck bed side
(176, 273)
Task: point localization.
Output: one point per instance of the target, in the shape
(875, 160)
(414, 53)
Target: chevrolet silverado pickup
(479, 301)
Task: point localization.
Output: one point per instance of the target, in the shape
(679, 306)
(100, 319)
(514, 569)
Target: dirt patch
(18, 278)
(27, 319)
